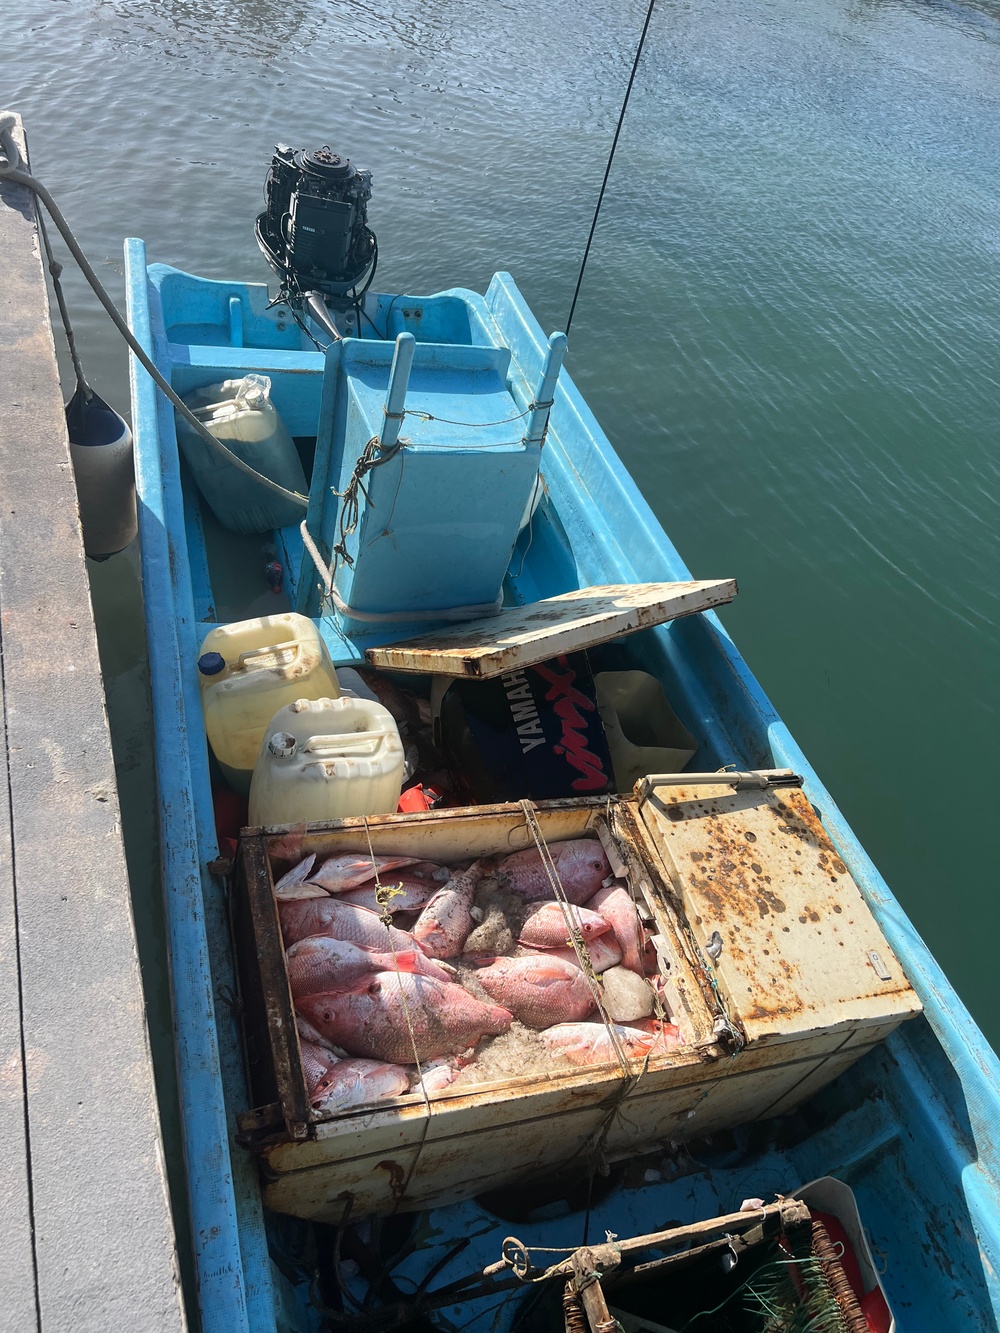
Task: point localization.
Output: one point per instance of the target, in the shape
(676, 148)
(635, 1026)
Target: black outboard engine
(314, 229)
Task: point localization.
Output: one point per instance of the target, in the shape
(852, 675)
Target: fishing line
(611, 158)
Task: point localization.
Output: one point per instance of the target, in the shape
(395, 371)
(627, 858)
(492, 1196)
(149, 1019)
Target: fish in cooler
(302, 917)
(604, 952)
(402, 1017)
(445, 923)
(317, 1061)
(547, 925)
(338, 874)
(592, 1044)
(320, 963)
(436, 1075)
(580, 864)
(355, 1082)
(402, 892)
(615, 905)
(295, 876)
(538, 990)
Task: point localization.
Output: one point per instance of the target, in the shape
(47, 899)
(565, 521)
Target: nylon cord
(611, 158)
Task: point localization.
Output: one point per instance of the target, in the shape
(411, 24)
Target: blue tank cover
(210, 664)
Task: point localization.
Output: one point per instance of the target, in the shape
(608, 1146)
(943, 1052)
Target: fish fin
(406, 960)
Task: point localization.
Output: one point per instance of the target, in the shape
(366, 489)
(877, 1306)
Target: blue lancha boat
(911, 1127)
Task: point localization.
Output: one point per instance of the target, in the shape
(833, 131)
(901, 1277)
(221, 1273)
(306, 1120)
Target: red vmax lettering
(567, 702)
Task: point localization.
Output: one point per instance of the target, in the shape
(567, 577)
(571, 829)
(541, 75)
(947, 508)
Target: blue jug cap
(210, 664)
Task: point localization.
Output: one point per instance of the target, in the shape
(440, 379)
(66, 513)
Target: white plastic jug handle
(286, 653)
(346, 744)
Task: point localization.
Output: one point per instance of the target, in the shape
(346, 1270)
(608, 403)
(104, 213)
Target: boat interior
(907, 1127)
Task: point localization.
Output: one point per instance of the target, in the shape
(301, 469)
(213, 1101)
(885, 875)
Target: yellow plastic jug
(327, 759)
(250, 669)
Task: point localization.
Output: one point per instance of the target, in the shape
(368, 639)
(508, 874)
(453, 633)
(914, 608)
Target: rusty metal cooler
(774, 971)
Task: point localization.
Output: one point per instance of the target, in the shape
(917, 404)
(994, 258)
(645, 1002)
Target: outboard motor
(314, 228)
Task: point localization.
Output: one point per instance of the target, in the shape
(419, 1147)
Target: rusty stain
(524, 635)
(397, 1178)
(769, 855)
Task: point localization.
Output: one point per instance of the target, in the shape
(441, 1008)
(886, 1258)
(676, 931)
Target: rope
(473, 425)
(611, 158)
(575, 936)
(384, 895)
(55, 269)
(10, 169)
(370, 458)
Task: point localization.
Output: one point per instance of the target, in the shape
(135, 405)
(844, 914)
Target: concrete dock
(86, 1234)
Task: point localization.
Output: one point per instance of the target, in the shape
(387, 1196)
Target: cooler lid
(782, 924)
(520, 636)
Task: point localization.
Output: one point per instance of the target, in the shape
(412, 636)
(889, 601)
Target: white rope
(575, 936)
(383, 896)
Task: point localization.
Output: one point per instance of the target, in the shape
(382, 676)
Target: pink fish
(403, 1017)
(406, 893)
(307, 1032)
(604, 952)
(342, 921)
(538, 989)
(358, 1082)
(287, 847)
(441, 1073)
(591, 1044)
(352, 869)
(580, 864)
(320, 963)
(294, 877)
(616, 906)
(317, 1061)
(445, 923)
(545, 925)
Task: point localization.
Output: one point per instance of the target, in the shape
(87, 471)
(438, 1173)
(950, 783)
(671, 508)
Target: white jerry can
(327, 759)
(250, 669)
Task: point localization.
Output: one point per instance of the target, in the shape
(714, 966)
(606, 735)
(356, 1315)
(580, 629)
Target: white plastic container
(240, 414)
(644, 733)
(327, 759)
(250, 669)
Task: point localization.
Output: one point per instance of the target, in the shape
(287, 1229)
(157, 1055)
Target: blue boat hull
(912, 1127)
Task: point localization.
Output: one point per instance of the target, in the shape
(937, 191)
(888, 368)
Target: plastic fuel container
(240, 414)
(250, 669)
(327, 759)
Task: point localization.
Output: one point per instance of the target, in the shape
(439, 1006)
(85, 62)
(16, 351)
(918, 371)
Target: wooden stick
(791, 1212)
(588, 1284)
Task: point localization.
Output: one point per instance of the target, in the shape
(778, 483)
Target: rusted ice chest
(805, 983)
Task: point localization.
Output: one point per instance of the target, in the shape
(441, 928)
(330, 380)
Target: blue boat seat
(437, 520)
